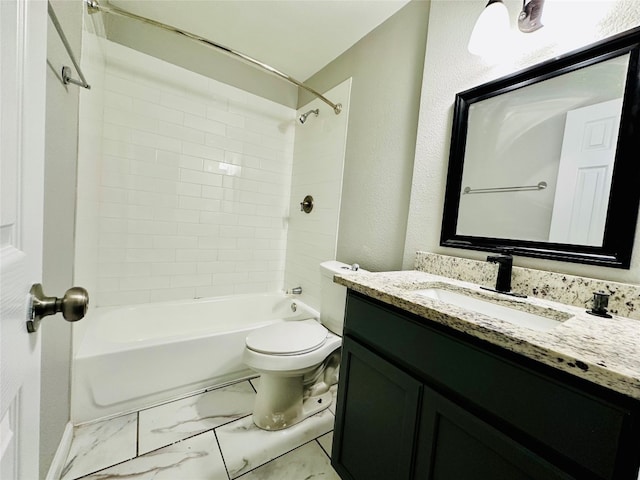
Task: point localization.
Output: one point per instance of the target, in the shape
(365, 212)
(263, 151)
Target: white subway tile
(182, 133)
(177, 241)
(204, 125)
(173, 293)
(212, 192)
(150, 255)
(175, 268)
(208, 152)
(107, 255)
(114, 195)
(136, 197)
(219, 115)
(108, 299)
(127, 87)
(216, 267)
(224, 143)
(129, 119)
(111, 131)
(190, 280)
(170, 159)
(154, 140)
(118, 100)
(217, 242)
(260, 151)
(116, 225)
(214, 291)
(191, 163)
(183, 104)
(153, 170)
(145, 283)
(151, 227)
(176, 215)
(201, 178)
(218, 218)
(194, 203)
(244, 135)
(108, 284)
(158, 112)
(199, 229)
(190, 189)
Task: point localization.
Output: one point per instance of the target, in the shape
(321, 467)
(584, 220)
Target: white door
(23, 30)
(584, 177)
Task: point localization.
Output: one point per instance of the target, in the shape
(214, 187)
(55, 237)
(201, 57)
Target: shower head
(303, 117)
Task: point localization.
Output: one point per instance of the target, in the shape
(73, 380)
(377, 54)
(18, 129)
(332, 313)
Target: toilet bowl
(298, 361)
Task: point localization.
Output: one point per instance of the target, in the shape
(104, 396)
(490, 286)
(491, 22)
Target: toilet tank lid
(333, 267)
(287, 338)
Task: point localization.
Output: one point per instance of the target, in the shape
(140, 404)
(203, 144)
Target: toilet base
(279, 402)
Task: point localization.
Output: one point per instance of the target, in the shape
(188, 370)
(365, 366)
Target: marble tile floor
(205, 436)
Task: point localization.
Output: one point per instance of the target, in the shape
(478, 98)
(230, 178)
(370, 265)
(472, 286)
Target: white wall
(194, 185)
(58, 235)
(449, 69)
(317, 171)
(386, 67)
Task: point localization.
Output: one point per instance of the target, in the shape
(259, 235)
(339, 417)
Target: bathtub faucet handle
(73, 305)
(296, 290)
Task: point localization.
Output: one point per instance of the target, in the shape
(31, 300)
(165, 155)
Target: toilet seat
(288, 338)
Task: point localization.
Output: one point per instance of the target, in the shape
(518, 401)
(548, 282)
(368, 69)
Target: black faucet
(505, 264)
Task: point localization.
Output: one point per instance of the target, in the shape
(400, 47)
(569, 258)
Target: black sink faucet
(505, 264)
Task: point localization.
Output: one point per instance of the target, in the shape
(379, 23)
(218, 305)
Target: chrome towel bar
(523, 188)
(66, 71)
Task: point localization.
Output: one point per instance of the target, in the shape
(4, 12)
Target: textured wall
(449, 69)
(386, 67)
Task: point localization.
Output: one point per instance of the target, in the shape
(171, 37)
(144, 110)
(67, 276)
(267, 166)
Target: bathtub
(134, 357)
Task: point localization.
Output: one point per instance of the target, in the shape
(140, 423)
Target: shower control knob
(73, 305)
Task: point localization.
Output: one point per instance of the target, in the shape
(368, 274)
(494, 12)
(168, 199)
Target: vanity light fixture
(492, 26)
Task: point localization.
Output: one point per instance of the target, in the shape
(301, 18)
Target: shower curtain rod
(93, 6)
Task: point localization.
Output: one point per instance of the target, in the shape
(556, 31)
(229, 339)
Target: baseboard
(55, 470)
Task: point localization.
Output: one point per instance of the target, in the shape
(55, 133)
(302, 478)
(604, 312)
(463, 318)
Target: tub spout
(295, 290)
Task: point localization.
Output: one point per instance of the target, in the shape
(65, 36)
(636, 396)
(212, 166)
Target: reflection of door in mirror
(584, 176)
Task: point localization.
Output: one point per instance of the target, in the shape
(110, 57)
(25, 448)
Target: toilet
(299, 361)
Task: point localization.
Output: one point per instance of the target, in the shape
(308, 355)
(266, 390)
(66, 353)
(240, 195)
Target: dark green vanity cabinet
(419, 401)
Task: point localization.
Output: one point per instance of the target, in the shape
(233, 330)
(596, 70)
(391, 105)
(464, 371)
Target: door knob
(73, 305)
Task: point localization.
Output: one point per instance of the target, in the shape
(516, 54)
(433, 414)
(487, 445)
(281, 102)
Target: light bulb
(491, 29)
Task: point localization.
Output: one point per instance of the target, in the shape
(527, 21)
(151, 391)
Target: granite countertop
(604, 351)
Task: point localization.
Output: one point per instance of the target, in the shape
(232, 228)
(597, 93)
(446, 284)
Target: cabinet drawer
(577, 429)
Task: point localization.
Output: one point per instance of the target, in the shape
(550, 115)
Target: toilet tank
(333, 296)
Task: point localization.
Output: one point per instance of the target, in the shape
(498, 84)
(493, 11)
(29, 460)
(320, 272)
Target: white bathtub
(136, 356)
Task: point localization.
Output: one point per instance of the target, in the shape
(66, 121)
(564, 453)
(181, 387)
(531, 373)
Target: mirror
(544, 162)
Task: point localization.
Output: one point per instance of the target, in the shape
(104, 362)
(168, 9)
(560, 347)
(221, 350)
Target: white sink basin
(501, 312)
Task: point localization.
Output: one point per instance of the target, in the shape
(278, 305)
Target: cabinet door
(454, 444)
(375, 417)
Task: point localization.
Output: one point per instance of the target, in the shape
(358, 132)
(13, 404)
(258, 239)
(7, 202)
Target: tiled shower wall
(317, 171)
(194, 185)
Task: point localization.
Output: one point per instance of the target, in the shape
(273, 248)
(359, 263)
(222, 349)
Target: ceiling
(298, 37)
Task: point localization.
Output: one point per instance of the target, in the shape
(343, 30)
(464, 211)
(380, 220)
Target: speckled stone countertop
(605, 351)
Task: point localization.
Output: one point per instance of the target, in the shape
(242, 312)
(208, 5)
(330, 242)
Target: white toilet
(299, 361)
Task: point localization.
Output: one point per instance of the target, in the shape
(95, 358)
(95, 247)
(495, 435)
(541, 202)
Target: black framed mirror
(546, 161)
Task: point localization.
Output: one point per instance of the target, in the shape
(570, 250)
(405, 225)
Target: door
(585, 173)
(376, 417)
(23, 29)
(454, 444)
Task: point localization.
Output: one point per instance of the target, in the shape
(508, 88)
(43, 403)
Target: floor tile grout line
(224, 462)
(280, 456)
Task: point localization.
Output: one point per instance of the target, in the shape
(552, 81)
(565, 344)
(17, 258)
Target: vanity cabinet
(417, 400)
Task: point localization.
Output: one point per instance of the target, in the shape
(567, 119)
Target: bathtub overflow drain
(294, 307)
